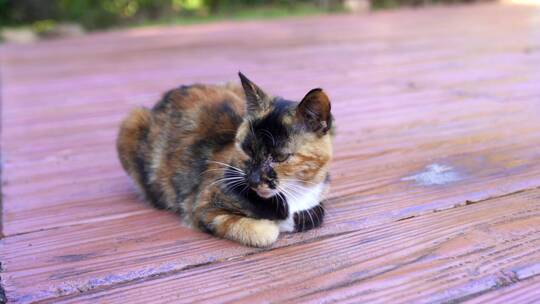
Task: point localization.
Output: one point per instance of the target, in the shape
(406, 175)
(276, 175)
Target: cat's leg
(239, 228)
(308, 219)
(303, 220)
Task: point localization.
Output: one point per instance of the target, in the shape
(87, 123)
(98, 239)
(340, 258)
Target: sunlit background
(29, 20)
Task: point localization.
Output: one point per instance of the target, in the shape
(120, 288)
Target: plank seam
(457, 205)
(82, 291)
(469, 202)
(506, 280)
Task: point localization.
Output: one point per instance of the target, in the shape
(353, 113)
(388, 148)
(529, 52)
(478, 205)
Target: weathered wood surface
(521, 292)
(430, 118)
(433, 258)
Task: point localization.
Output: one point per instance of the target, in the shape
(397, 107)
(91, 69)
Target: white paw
(287, 225)
(256, 233)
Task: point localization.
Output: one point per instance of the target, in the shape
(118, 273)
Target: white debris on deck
(434, 174)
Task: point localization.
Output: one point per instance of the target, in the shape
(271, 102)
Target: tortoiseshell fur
(233, 161)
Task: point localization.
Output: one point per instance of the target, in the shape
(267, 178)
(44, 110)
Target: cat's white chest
(309, 198)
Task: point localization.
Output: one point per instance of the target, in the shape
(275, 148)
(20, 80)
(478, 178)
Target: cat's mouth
(265, 192)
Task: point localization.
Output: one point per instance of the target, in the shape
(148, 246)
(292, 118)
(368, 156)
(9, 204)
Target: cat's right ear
(314, 112)
(256, 100)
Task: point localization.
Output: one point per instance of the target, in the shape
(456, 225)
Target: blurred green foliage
(94, 14)
(381, 4)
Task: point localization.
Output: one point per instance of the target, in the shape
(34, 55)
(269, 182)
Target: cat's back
(198, 113)
(170, 149)
(196, 96)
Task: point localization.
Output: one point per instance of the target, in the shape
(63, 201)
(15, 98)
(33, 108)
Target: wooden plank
(73, 259)
(440, 257)
(522, 292)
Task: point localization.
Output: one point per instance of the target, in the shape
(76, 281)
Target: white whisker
(303, 221)
(236, 184)
(293, 188)
(230, 166)
(225, 179)
(289, 192)
(269, 136)
(298, 181)
(317, 215)
(279, 200)
(208, 170)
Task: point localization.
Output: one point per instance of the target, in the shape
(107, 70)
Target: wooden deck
(436, 175)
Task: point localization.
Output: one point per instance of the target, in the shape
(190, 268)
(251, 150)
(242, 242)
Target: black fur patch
(266, 140)
(162, 104)
(309, 219)
(226, 109)
(274, 208)
(269, 133)
(204, 227)
(166, 99)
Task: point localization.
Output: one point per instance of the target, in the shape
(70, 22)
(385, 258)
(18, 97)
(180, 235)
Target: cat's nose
(254, 179)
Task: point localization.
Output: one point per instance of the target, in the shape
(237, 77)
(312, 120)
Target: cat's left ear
(314, 111)
(256, 100)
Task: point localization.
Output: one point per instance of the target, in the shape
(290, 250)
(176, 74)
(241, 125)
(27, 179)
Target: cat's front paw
(308, 219)
(251, 232)
(258, 233)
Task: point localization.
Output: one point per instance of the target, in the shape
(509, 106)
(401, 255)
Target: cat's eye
(247, 149)
(281, 157)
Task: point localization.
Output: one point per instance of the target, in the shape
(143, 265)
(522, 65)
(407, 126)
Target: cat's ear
(256, 100)
(314, 112)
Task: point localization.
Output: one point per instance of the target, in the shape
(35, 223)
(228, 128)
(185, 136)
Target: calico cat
(233, 161)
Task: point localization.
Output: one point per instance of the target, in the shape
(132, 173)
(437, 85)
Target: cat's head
(284, 143)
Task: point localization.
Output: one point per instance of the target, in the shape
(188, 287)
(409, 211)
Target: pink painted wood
(433, 179)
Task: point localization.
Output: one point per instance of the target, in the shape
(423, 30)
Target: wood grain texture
(444, 74)
(429, 118)
(522, 292)
(440, 257)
